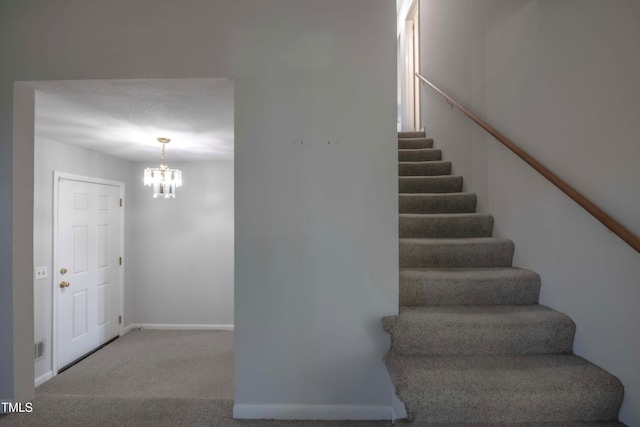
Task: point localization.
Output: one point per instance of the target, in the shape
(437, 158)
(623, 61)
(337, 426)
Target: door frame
(57, 176)
(412, 65)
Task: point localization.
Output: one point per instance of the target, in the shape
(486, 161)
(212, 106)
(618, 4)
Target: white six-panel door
(87, 267)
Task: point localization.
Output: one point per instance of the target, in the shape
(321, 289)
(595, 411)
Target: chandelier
(162, 179)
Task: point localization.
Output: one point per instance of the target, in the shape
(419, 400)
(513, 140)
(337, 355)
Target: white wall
(181, 259)
(50, 156)
(316, 258)
(560, 79)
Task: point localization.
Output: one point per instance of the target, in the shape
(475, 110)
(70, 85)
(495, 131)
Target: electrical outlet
(41, 272)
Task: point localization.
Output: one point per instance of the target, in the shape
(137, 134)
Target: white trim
(54, 263)
(73, 177)
(398, 410)
(123, 255)
(57, 176)
(43, 378)
(127, 329)
(312, 412)
(170, 327)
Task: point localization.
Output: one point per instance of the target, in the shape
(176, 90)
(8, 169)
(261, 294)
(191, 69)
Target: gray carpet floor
(151, 378)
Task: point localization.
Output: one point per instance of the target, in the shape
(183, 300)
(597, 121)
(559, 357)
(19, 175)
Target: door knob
(64, 284)
(63, 270)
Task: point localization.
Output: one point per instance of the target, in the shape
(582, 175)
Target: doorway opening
(177, 254)
(411, 56)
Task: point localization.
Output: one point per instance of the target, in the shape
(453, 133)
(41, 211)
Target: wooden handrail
(606, 220)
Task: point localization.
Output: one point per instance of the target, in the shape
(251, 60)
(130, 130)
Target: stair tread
(455, 225)
(415, 139)
(456, 252)
(454, 195)
(468, 286)
(424, 168)
(454, 240)
(428, 178)
(431, 178)
(419, 155)
(405, 423)
(414, 143)
(486, 329)
(504, 388)
(483, 313)
(455, 309)
(475, 315)
(425, 162)
(438, 184)
(447, 215)
(428, 203)
(477, 273)
(404, 134)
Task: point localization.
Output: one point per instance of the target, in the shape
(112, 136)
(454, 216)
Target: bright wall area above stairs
(471, 344)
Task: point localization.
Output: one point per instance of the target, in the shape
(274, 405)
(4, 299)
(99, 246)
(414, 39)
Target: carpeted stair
(471, 346)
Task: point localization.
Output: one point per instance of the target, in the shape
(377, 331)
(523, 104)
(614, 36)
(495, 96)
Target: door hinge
(120, 320)
(120, 202)
(120, 260)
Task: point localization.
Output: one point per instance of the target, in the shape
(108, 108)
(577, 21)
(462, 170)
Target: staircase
(471, 345)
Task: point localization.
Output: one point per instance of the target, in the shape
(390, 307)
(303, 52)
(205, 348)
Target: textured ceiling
(123, 118)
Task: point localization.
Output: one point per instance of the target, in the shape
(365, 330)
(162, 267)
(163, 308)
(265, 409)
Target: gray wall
(560, 79)
(181, 258)
(316, 224)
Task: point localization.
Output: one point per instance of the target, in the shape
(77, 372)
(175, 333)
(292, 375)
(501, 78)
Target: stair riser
(426, 255)
(445, 293)
(430, 226)
(415, 143)
(425, 155)
(432, 338)
(437, 203)
(411, 134)
(436, 184)
(424, 168)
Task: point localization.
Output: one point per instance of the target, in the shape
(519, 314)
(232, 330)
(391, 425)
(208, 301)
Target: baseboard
(398, 410)
(170, 327)
(43, 378)
(312, 412)
(127, 329)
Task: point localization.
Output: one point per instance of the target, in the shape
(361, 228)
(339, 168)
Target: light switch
(41, 272)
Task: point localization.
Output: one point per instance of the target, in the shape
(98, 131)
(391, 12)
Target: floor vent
(38, 350)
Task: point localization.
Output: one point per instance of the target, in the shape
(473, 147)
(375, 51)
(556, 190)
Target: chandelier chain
(163, 165)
